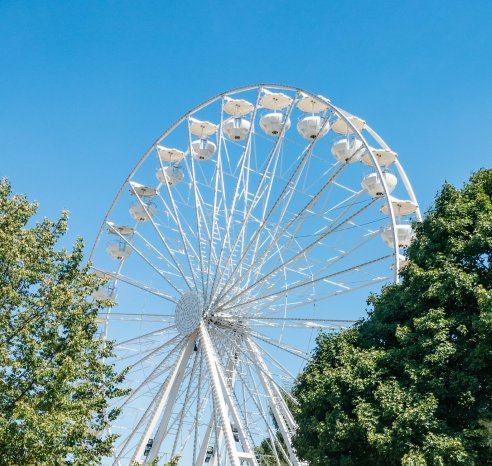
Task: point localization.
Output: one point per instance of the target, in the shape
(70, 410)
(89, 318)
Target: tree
(54, 383)
(268, 455)
(412, 384)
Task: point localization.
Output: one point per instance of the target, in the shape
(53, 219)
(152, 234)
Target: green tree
(54, 383)
(268, 456)
(412, 384)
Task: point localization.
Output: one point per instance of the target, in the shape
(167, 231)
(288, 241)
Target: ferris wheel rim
(341, 114)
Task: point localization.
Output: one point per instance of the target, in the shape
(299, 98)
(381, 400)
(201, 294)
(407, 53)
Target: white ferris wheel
(259, 218)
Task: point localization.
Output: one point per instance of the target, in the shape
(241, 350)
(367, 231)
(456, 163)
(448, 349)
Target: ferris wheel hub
(188, 313)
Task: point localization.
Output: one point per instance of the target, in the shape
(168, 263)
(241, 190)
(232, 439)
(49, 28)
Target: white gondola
(236, 129)
(118, 250)
(312, 127)
(170, 155)
(384, 157)
(275, 100)
(203, 149)
(340, 126)
(402, 262)
(169, 175)
(348, 151)
(237, 107)
(141, 190)
(106, 291)
(103, 293)
(309, 104)
(272, 123)
(203, 129)
(400, 207)
(373, 185)
(138, 213)
(118, 230)
(404, 235)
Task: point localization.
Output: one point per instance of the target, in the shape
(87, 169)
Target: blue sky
(87, 86)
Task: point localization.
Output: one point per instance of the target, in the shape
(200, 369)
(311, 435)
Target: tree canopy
(412, 383)
(54, 383)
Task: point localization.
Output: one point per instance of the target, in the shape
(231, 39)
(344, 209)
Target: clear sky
(87, 86)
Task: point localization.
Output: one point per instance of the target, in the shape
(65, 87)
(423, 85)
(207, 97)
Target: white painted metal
(164, 398)
(273, 400)
(203, 149)
(219, 396)
(404, 234)
(141, 213)
(310, 104)
(348, 125)
(401, 207)
(118, 250)
(169, 175)
(244, 248)
(236, 128)
(346, 150)
(383, 156)
(312, 127)
(374, 186)
(178, 375)
(272, 123)
(170, 155)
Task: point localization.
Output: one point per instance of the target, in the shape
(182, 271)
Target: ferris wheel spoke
(197, 209)
(309, 247)
(319, 298)
(259, 263)
(330, 263)
(184, 240)
(137, 284)
(301, 215)
(273, 155)
(282, 346)
(223, 399)
(215, 180)
(175, 272)
(326, 278)
(254, 394)
(185, 404)
(299, 322)
(274, 362)
(154, 225)
(145, 259)
(155, 372)
(288, 190)
(151, 351)
(248, 359)
(159, 331)
(132, 317)
(235, 197)
(280, 411)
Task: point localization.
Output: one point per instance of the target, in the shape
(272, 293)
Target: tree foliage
(412, 384)
(54, 383)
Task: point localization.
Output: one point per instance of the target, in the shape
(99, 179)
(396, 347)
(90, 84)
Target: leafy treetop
(412, 384)
(54, 382)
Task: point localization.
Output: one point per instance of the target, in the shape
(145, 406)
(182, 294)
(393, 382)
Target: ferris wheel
(259, 218)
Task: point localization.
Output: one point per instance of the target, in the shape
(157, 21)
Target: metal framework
(255, 221)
